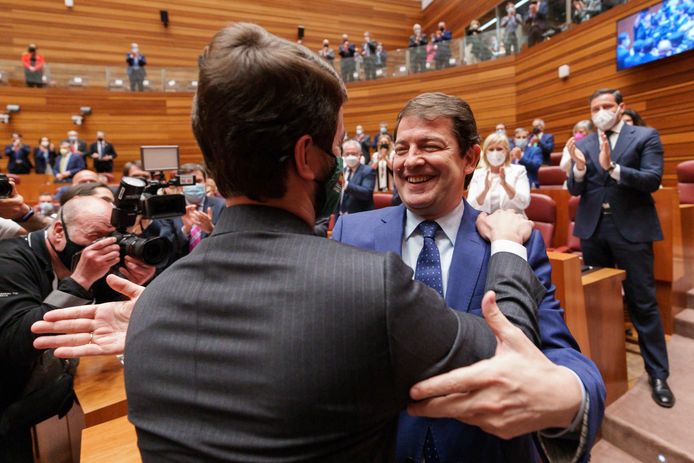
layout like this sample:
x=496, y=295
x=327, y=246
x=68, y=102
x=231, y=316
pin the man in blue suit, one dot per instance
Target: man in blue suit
x=542, y=140
x=615, y=171
x=527, y=155
x=358, y=194
x=437, y=146
x=202, y=213
x=67, y=163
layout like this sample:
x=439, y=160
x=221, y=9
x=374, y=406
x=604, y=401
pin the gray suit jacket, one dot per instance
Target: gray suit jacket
x=270, y=344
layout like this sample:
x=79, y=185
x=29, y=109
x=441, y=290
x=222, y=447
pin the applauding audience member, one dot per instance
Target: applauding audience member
x=102, y=153
x=543, y=140
x=18, y=154
x=67, y=163
x=358, y=192
x=581, y=130
x=44, y=156
x=526, y=155
x=33, y=63
x=499, y=184
x=136, y=68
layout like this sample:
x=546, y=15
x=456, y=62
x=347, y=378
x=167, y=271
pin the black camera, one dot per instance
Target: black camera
x=135, y=197
x=5, y=186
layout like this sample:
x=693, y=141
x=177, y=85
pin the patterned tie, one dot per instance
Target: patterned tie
x=195, y=237
x=428, y=271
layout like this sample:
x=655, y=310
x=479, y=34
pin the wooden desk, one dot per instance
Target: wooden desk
x=684, y=264
x=566, y=276
x=100, y=389
x=602, y=291
x=114, y=441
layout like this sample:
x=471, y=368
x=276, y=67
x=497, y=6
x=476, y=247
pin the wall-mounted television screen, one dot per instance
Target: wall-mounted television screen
x=657, y=32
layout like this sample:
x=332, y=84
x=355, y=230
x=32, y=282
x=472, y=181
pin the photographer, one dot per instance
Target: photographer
x=19, y=216
x=32, y=267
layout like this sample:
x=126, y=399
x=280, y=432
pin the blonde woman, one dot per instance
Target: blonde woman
x=499, y=184
x=382, y=163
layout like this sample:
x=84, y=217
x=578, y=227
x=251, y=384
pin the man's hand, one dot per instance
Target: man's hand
x=60, y=176
x=13, y=207
x=515, y=392
x=516, y=153
x=204, y=220
x=95, y=262
x=137, y=271
x=188, y=218
x=504, y=225
x=107, y=157
x=95, y=155
x=605, y=158
x=577, y=155
x=91, y=329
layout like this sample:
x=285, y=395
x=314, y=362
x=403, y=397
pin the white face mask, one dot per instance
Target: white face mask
x=496, y=157
x=521, y=142
x=605, y=119
x=359, y=131
x=351, y=160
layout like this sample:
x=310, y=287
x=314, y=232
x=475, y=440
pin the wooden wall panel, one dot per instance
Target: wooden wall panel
x=100, y=31
x=662, y=91
x=456, y=13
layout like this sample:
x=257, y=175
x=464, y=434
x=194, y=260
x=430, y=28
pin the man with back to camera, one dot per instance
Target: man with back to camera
x=615, y=171
x=437, y=143
x=358, y=190
x=38, y=275
x=287, y=346
x=102, y=153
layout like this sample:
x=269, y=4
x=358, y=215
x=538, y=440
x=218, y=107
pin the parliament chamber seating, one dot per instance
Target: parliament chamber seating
x=543, y=212
x=555, y=158
x=573, y=242
x=685, y=182
x=382, y=200
x=551, y=177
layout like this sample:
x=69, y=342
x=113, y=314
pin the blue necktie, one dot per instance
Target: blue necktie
x=428, y=271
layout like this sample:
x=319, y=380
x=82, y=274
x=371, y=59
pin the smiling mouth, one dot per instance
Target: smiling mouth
x=419, y=179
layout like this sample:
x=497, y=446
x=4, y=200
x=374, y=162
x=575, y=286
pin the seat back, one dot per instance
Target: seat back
x=685, y=182
x=555, y=159
x=382, y=200
x=573, y=242
x=543, y=211
x=551, y=177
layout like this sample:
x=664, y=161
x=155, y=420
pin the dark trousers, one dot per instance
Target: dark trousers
x=607, y=248
x=137, y=79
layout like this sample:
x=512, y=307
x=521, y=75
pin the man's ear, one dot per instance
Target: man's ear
x=473, y=158
x=303, y=159
x=58, y=232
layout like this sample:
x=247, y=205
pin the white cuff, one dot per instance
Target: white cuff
x=579, y=174
x=578, y=419
x=510, y=246
x=615, y=172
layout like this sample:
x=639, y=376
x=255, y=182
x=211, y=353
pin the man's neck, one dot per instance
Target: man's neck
x=288, y=203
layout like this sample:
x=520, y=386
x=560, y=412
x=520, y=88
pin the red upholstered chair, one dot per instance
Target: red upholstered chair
x=551, y=177
x=573, y=243
x=685, y=182
x=554, y=159
x=383, y=200
x=543, y=211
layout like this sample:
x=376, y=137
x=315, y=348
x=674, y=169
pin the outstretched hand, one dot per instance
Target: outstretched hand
x=517, y=391
x=89, y=330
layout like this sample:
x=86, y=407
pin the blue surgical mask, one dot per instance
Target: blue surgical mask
x=46, y=209
x=195, y=194
x=521, y=142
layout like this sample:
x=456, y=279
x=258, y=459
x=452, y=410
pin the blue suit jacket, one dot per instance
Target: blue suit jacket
x=382, y=230
x=359, y=194
x=532, y=160
x=639, y=153
x=74, y=164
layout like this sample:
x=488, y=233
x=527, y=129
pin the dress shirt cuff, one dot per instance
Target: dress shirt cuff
x=509, y=246
x=579, y=174
x=615, y=172
x=575, y=425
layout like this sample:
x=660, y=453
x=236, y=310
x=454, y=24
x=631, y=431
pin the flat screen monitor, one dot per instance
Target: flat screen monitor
x=159, y=158
x=659, y=31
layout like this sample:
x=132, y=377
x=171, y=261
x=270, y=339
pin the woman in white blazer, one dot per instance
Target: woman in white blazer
x=499, y=184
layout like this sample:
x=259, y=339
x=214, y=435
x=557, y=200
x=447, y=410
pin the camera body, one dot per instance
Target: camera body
x=5, y=187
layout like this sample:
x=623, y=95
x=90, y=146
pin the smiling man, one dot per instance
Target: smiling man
x=437, y=147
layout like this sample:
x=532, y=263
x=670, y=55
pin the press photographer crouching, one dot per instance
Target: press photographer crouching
x=41, y=272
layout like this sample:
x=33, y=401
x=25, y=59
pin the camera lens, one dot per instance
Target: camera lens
x=152, y=251
x=5, y=186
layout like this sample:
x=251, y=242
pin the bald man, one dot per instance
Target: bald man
x=81, y=177
x=40, y=274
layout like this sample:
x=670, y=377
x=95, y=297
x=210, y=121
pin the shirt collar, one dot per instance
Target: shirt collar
x=449, y=223
x=617, y=128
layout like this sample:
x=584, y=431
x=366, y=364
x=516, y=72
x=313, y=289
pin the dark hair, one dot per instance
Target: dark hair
x=192, y=167
x=636, y=117
x=431, y=106
x=82, y=189
x=257, y=95
x=129, y=165
x=608, y=91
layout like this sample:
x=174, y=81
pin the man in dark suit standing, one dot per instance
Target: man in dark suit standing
x=202, y=213
x=347, y=63
x=358, y=192
x=544, y=141
x=18, y=156
x=102, y=153
x=615, y=171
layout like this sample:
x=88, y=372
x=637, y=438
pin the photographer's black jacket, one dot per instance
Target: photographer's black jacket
x=26, y=280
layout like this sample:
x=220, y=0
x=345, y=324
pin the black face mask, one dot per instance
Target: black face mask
x=71, y=249
x=327, y=195
x=383, y=147
x=442, y=29
x=100, y=139
x=32, y=50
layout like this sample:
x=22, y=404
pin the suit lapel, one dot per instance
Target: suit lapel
x=468, y=256
x=388, y=234
x=624, y=141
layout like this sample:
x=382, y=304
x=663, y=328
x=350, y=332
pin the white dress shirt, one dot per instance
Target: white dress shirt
x=413, y=241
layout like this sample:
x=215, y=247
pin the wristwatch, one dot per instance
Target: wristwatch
x=612, y=167
x=26, y=216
